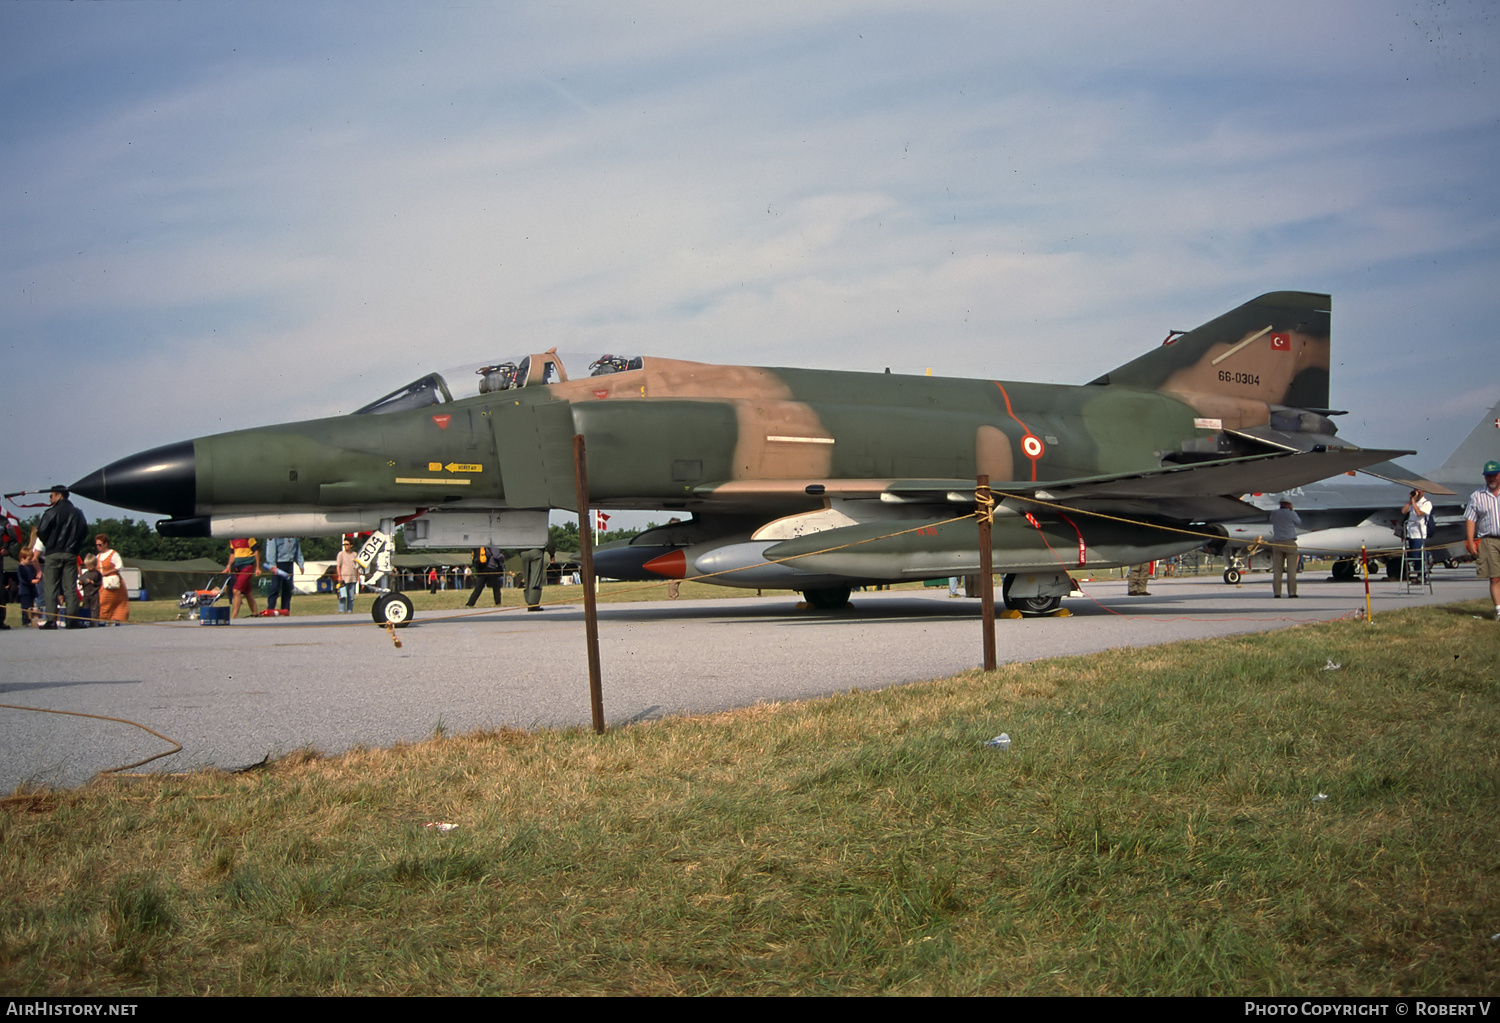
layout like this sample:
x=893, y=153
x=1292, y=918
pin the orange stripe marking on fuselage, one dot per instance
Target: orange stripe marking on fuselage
x=1025, y=448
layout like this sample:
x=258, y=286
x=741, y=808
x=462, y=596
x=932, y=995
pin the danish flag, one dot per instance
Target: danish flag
x=601, y=521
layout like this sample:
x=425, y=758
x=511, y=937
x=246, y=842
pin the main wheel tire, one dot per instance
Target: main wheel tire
x=830, y=598
x=393, y=609
x=1344, y=571
x=1030, y=607
x=1232, y=576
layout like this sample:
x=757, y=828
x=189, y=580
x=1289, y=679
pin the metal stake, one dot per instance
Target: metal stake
x=590, y=605
x=985, y=506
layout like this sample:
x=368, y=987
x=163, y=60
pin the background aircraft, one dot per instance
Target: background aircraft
x=1340, y=515
x=805, y=479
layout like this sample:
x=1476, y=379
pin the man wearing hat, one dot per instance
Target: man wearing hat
x=1284, y=525
x=1482, y=526
x=61, y=534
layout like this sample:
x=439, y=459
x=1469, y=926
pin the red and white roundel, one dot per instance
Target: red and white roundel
x=1031, y=446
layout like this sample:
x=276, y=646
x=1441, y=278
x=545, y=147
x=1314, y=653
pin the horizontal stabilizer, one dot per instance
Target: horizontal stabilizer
x=1394, y=473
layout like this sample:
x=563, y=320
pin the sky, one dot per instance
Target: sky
x=223, y=215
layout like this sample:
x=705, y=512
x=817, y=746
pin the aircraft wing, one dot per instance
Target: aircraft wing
x=1256, y=473
x=1268, y=472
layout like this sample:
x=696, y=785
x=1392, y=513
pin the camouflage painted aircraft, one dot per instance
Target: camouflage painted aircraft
x=811, y=480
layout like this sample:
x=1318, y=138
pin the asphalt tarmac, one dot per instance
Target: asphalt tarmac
x=233, y=694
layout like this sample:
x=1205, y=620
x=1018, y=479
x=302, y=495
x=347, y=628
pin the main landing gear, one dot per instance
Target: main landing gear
x=831, y=598
x=1042, y=595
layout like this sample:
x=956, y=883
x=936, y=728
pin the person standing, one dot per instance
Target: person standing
x=60, y=536
x=1137, y=579
x=29, y=587
x=283, y=553
x=347, y=568
x=1482, y=530
x=114, y=600
x=10, y=547
x=488, y=570
x=534, y=571
x=1416, y=509
x=89, y=581
x=243, y=568
x=1284, y=523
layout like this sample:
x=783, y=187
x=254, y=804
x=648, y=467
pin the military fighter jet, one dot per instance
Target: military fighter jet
x=1342, y=516
x=810, y=480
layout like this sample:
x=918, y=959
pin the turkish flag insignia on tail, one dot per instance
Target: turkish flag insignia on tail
x=1281, y=342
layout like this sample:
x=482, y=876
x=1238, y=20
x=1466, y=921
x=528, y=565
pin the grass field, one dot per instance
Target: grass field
x=1223, y=817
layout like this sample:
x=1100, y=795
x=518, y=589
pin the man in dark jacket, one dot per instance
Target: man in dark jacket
x=62, y=533
x=488, y=567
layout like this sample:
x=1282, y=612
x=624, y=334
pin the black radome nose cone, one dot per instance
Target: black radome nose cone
x=163, y=480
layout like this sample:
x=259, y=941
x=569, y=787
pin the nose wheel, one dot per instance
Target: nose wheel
x=392, y=609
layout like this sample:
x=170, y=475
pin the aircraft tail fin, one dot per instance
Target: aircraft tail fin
x=1480, y=446
x=1272, y=349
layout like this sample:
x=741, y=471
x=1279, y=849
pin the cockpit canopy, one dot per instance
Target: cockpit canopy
x=545, y=368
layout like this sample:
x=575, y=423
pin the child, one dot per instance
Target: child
x=29, y=580
x=89, y=581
